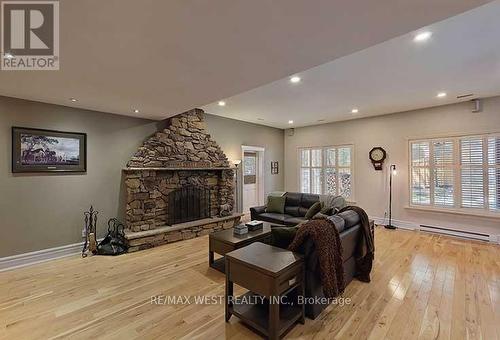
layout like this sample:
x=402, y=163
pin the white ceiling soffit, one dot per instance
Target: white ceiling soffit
x=165, y=57
x=461, y=57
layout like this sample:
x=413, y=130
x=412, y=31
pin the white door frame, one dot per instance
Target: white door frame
x=260, y=173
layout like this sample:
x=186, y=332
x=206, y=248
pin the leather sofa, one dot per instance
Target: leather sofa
x=349, y=227
x=296, y=206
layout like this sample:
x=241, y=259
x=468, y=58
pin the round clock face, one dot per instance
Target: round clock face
x=377, y=155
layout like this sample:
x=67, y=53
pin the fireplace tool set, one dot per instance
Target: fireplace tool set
x=90, y=243
x=113, y=244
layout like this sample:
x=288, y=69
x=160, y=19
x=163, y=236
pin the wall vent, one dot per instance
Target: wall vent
x=454, y=232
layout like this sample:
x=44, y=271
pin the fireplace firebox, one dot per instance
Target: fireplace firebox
x=188, y=203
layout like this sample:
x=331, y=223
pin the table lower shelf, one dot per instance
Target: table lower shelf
x=257, y=315
x=219, y=264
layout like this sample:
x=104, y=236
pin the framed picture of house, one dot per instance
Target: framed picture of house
x=37, y=150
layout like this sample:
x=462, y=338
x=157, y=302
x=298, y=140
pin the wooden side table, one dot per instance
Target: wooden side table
x=269, y=272
x=225, y=241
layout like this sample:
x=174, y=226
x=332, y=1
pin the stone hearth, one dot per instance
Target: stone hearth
x=183, y=154
x=183, y=231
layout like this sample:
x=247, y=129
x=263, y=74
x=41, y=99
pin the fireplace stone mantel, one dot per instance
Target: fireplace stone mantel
x=182, y=155
x=179, y=169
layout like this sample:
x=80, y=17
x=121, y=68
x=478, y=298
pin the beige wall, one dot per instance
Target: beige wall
x=232, y=134
x=39, y=211
x=392, y=133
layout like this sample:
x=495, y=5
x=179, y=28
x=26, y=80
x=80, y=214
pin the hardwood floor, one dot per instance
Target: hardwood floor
x=423, y=286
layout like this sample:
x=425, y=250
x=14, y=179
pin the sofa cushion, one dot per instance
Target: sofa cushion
x=338, y=221
x=320, y=216
x=292, y=210
x=350, y=217
x=326, y=210
x=276, y=204
x=274, y=217
x=294, y=220
x=313, y=210
x=302, y=211
x=333, y=201
x=308, y=200
x=293, y=199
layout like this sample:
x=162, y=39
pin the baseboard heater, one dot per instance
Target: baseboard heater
x=454, y=232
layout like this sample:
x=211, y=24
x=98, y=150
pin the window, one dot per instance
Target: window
x=459, y=173
x=250, y=168
x=326, y=170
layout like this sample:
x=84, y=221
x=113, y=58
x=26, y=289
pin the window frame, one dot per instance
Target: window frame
x=324, y=166
x=457, y=167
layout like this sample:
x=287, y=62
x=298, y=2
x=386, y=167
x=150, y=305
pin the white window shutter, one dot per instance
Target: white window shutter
x=472, y=173
x=494, y=173
x=443, y=173
x=420, y=173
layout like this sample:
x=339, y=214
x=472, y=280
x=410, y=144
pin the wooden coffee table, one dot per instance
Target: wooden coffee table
x=224, y=241
x=269, y=272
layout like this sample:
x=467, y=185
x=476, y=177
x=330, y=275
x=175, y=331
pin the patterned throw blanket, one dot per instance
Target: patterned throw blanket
x=326, y=239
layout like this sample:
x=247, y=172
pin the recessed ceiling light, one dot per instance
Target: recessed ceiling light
x=422, y=36
x=290, y=122
x=295, y=79
x=73, y=100
x=260, y=118
x=354, y=111
x=8, y=55
x=136, y=111
x=441, y=94
x=221, y=103
x=321, y=120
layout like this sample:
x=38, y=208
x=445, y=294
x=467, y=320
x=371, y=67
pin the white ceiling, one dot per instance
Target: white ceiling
x=165, y=57
x=461, y=57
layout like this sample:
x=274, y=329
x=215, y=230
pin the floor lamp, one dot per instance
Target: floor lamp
x=236, y=191
x=392, y=172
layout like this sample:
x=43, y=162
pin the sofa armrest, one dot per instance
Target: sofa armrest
x=256, y=211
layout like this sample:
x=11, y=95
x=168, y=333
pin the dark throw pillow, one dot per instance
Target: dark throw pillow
x=320, y=216
x=326, y=210
x=282, y=236
x=313, y=210
x=276, y=204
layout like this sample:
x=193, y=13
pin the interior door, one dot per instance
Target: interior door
x=250, y=181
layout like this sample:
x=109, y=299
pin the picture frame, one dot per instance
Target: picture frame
x=40, y=150
x=274, y=168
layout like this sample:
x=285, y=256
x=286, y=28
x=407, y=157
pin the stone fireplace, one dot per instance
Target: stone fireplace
x=179, y=185
x=188, y=203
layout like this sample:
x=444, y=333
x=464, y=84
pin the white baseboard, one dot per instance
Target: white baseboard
x=447, y=231
x=27, y=259
x=397, y=223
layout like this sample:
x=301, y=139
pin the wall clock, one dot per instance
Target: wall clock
x=377, y=156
